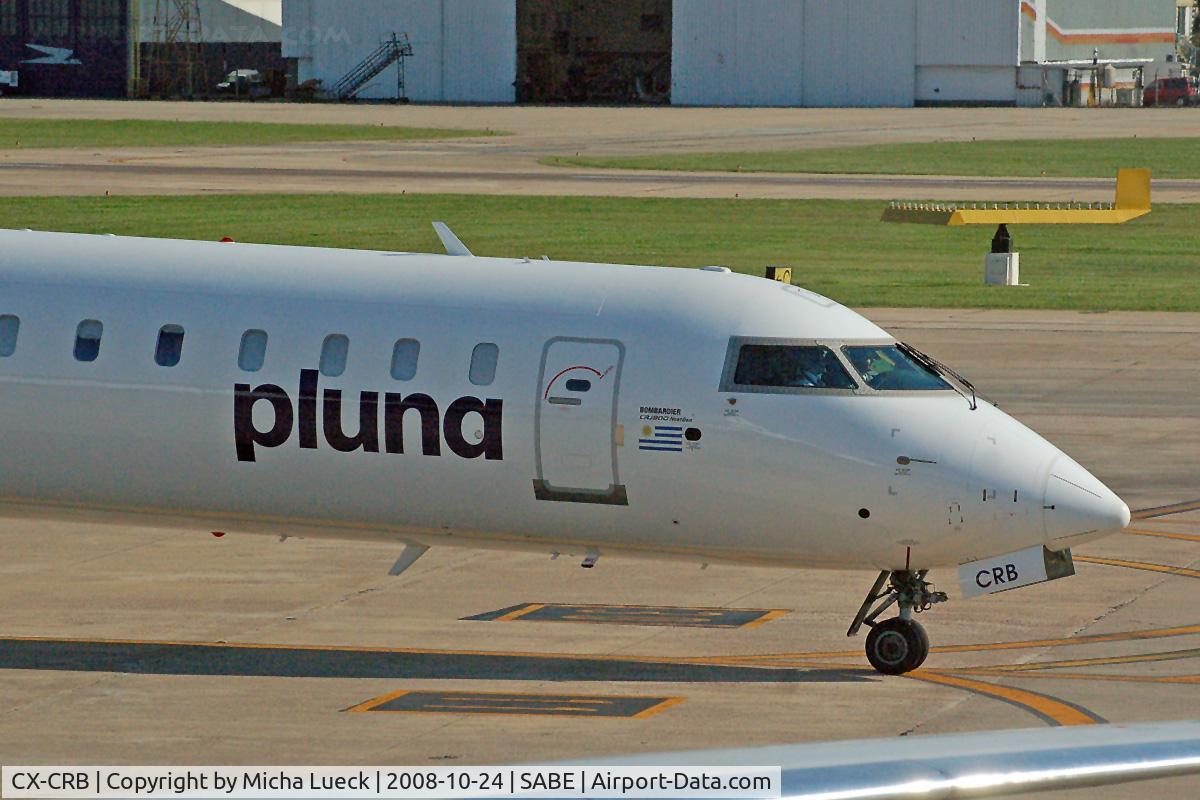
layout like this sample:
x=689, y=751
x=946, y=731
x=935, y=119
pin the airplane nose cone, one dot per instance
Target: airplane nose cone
x=1078, y=507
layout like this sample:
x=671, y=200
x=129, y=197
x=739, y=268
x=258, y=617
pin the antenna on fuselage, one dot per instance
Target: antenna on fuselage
x=453, y=245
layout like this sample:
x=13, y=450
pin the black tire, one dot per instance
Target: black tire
x=897, y=646
x=1181, y=102
x=922, y=644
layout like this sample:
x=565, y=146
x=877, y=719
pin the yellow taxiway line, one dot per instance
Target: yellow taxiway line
x=1163, y=511
x=1050, y=709
x=1142, y=565
x=1096, y=638
x=1183, y=537
x=1102, y=661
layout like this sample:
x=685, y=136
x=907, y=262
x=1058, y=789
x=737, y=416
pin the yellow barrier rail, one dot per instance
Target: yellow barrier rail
x=1132, y=201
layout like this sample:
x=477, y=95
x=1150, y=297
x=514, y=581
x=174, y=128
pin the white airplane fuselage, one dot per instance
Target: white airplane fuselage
x=613, y=423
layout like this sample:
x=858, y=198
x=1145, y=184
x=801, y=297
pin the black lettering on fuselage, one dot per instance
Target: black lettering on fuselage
x=490, y=446
x=394, y=407
x=308, y=408
x=245, y=435
x=487, y=439
x=367, y=437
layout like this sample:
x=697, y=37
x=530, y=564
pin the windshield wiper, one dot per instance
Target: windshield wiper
x=942, y=371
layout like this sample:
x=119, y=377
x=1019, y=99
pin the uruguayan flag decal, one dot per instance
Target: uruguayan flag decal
x=664, y=438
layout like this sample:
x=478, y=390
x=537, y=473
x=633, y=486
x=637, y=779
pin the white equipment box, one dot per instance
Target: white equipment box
x=1002, y=269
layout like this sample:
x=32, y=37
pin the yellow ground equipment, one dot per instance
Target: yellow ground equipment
x=1132, y=201
x=1002, y=265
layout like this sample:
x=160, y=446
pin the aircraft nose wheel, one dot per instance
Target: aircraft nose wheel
x=897, y=646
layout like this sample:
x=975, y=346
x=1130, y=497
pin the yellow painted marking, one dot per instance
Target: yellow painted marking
x=746, y=660
x=509, y=704
x=1185, y=537
x=663, y=706
x=378, y=701
x=1048, y=707
x=618, y=614
x=1163, y=511
x=767, y=617
x=520, y=612
x=1165, y=568
x=1095, y=638
x=1088, y=676
x=1169, y=521
x=1174, y=655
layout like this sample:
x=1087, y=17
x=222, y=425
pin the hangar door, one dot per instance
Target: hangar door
x=571, y=51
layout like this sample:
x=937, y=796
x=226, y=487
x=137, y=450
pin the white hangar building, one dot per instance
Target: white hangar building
x=718, y=52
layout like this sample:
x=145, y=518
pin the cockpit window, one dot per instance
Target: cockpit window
x=791, y=367
x=888, y=368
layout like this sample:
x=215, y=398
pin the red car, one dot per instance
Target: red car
x=1170, y=92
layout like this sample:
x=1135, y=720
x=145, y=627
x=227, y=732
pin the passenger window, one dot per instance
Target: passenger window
x=333, y=355
x=169, y=349
x=87, y=340
x=10, y=326
x=483, y=363
x=888, y=368
x=791, y=367
x=404, y=359
x=578, y=385
x=253, y=350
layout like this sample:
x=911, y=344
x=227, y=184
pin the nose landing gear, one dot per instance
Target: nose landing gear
x=898, y=645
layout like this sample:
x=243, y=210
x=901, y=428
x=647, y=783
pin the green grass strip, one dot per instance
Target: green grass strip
x=42, y=133
x=1063, y=158
x=838, y=248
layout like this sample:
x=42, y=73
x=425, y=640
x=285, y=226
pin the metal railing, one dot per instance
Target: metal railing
x=397, y=48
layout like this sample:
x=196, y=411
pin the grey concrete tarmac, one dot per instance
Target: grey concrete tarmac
x=509, y=164
x=1115, y=390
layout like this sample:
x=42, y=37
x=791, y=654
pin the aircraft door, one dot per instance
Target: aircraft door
x=576, y=422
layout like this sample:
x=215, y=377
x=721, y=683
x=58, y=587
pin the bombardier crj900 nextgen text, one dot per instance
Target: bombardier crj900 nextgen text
x=509, y=403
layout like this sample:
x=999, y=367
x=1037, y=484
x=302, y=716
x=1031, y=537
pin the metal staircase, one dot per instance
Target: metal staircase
x=390, y=51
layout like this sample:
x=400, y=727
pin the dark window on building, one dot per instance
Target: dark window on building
x=169, y=349
x=87, y=340
x=10, y=326
x=8, y=18
x=101, y=19
x=48, y=19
